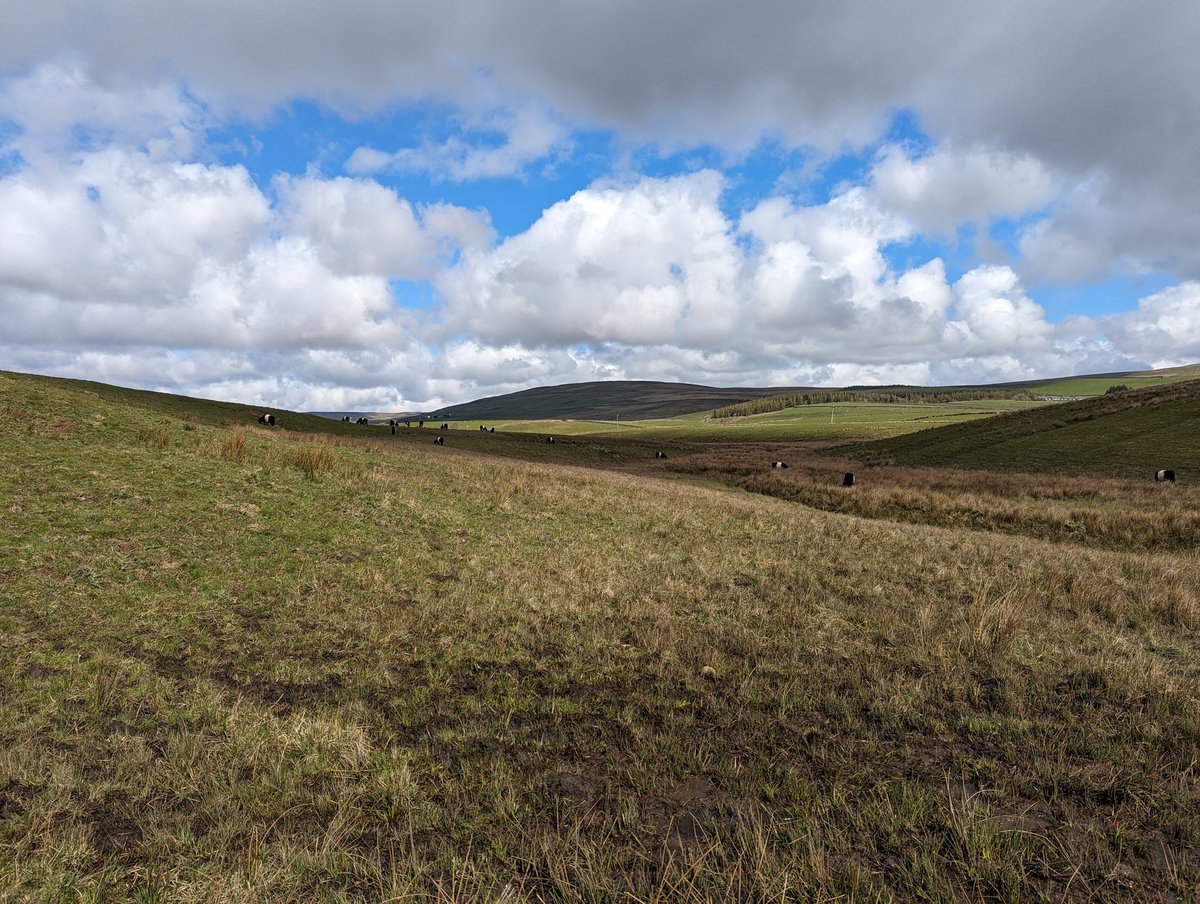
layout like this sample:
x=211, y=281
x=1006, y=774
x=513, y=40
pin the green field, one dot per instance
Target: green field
x=241, y=664
x=851, y=420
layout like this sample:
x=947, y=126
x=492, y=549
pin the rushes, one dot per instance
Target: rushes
x=312, y=461
x=315, y=458
x=157, y=437
x=993, y=620
x=1115, y=514
x=232, y=446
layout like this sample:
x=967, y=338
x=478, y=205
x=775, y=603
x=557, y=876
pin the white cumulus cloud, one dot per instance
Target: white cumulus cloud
x=500, y=144
x=946, y=188
x=130, y=251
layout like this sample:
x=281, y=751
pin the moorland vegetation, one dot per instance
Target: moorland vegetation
x=315, y=663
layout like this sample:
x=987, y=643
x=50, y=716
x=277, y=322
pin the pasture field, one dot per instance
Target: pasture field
x=239, y=664
x=838, y=421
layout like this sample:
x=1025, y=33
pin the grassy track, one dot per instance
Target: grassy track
x=247, y=665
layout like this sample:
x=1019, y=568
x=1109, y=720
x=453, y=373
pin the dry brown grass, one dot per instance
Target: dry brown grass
x=232, y=446
x=312, y=460
x=1118, y=514
x=158, y=437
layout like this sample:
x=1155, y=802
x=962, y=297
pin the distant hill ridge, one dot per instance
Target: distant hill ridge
x=599, y=400
x=606, y=401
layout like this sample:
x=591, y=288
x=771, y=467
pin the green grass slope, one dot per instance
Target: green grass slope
x=1183, y=372
x=1098, y=384
x=1128, y=434
x=194, y=411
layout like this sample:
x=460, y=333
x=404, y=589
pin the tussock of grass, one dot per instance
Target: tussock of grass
x=157, y=437
x=232, y=446
x=312, y=461
x=435, y=676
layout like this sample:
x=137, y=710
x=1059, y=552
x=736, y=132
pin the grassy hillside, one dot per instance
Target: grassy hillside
x=605, y=401
x=1098, y=384
x=1129, y=434
x=239, y=664
x=194, y=411
x=1183, y=372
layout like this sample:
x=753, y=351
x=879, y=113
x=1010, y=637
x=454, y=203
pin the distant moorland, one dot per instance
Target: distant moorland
x=642, y=400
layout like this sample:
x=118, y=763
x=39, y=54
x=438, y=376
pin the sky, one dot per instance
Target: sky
x=385, y=205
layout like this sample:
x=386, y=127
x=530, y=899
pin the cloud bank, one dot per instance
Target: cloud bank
x=134, y=249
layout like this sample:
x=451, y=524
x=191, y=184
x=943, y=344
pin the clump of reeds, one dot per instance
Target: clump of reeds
x=158, y=437
x=313, y=461
x=232, y=447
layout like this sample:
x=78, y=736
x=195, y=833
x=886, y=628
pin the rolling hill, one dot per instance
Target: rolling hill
x=605, y=401
x=1126, y=434
x=624, y=400
x=645, y=399
x=196, y=411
